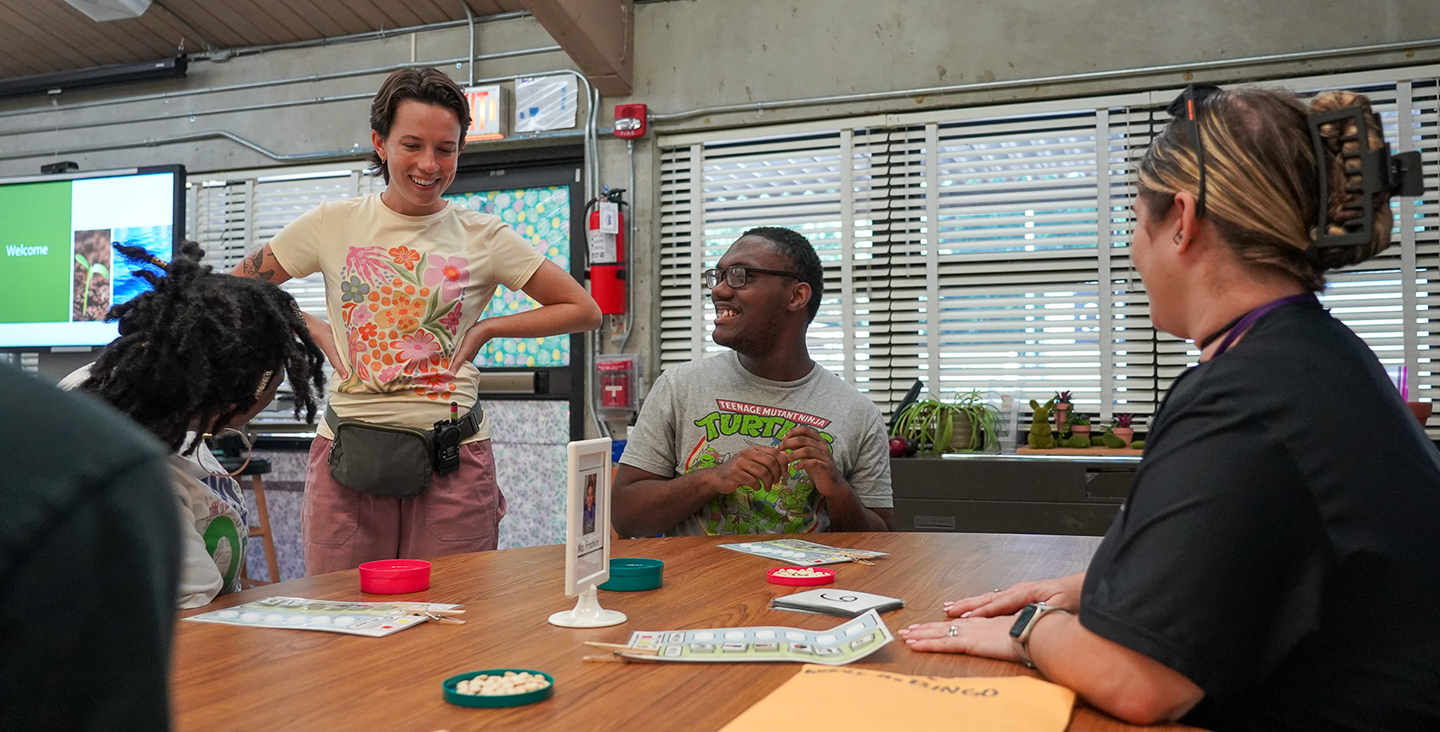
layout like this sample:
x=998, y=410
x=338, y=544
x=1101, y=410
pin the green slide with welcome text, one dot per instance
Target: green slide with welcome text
x=35, y=259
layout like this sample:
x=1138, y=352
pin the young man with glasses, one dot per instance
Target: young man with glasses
x=759, y=439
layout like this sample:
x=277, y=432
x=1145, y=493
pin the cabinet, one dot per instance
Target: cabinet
x=1012, y=494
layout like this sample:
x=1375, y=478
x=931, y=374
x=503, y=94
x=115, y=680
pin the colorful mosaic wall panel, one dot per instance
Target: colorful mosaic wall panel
x=541, y=215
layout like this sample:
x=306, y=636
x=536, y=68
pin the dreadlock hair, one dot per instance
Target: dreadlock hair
x=796, y=248
x=202, y=346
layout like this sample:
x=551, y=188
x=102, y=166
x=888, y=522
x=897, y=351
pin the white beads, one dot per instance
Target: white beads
x=510, y=683
x=806, y=572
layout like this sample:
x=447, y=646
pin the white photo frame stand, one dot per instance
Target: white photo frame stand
x=587, y=536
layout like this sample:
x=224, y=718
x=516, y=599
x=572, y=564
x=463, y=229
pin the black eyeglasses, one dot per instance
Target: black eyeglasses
x=735, y=277
x=1184, y=107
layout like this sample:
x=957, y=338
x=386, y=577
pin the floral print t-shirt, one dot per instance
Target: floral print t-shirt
x=401, y=291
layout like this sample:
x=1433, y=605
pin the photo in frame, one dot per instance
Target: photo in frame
x=587, y=535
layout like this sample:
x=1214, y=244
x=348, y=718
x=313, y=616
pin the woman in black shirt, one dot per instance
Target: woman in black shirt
x=1276, y=562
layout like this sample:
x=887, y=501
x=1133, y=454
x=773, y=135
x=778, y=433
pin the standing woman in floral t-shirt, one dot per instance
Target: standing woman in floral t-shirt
x=407, y=274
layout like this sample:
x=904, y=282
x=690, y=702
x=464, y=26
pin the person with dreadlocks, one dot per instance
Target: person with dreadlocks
x=200, y=353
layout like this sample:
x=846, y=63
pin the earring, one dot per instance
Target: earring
x=1177, y=239
x=249, y=453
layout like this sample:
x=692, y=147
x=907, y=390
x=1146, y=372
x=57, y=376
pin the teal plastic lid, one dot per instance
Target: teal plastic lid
x=634, y=574
x=453, y=696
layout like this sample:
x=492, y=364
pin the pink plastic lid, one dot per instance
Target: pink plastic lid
x=395, y=576
x=826, y=577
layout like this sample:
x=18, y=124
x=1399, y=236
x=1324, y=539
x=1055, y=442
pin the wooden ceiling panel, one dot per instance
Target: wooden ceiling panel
x=164, y=33
x=430, y=12
x=57, y=26
x=339, y=22
x=11, y=58
x=400, y=13
x=199, y=17
x=121, y=46
x=250, y=27
x=384, y=14
x=35, y=42
x=373, y=17
x=482, y=8
x=290, y=21
x=341, y=13
x=147, y=38
x=43, y=36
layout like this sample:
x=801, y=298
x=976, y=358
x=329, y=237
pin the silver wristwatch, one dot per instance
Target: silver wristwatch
x=1024, y=624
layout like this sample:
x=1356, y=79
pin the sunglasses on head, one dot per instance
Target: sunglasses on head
x=1184, y=108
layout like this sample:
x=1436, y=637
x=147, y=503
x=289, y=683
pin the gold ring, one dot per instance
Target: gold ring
x=952, y=631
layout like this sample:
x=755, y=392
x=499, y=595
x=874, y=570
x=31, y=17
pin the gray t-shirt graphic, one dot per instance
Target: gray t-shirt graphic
x=700, y=413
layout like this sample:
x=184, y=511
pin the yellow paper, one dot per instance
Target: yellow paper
x=838, y=699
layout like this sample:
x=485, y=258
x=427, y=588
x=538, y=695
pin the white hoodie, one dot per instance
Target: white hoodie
x=214, y=530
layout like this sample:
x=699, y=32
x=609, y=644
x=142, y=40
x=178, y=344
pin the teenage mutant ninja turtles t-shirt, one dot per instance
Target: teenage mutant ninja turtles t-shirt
x=701, y=413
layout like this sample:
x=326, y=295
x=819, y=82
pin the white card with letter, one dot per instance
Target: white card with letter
x=833, y=601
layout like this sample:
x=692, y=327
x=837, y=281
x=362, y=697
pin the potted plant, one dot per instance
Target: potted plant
x=965, y=423
x=1079, y=425
x=1062, y=410
x=1121, y=428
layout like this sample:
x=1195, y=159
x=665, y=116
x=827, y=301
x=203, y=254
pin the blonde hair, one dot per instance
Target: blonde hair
x=1261, y=181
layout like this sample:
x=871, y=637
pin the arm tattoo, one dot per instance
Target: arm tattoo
x=252, y=264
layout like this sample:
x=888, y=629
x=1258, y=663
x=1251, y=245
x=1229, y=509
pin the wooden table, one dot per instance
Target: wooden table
x=233, y=678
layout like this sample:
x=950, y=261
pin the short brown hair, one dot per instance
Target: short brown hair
x=1262, y=187
x=425, y=84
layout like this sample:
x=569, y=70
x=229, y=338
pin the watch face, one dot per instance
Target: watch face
x=1023, y=619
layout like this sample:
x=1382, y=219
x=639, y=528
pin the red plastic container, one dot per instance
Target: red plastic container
x=395, y=576
x=826, y=577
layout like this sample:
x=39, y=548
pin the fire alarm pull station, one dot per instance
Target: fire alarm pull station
x=618, y=378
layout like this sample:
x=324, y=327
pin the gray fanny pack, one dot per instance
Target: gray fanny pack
x=393, y=460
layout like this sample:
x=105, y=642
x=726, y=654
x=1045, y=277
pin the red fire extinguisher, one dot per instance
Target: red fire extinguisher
x=605, y=234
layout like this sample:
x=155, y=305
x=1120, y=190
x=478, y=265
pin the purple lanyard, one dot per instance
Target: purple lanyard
x=1249, y=318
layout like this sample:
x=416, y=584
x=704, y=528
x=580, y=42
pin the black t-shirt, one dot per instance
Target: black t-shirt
x=89, y=563
x=1280, y=545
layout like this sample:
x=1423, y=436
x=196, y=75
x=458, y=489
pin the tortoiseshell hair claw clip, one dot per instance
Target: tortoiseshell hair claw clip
x=1378, y=170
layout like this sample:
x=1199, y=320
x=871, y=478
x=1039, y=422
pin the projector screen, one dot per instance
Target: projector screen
x=59, y=274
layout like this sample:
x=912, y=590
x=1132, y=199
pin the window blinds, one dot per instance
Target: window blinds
x=233, y=214
x=988, y=248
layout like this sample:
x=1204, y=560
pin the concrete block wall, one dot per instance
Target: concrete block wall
x=694, y=54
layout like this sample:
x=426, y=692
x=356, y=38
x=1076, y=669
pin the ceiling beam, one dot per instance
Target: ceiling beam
x=598, y=35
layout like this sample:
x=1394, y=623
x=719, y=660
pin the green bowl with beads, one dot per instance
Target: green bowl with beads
x=453, y=695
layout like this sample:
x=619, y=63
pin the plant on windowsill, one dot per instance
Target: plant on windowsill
x=964, y=424
x=1062, y=410
x=1121, y=428
x=1077, y=433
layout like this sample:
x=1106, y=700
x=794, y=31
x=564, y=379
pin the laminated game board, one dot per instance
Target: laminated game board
x=850, y=641
x=801, y=553
x=373, y=619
